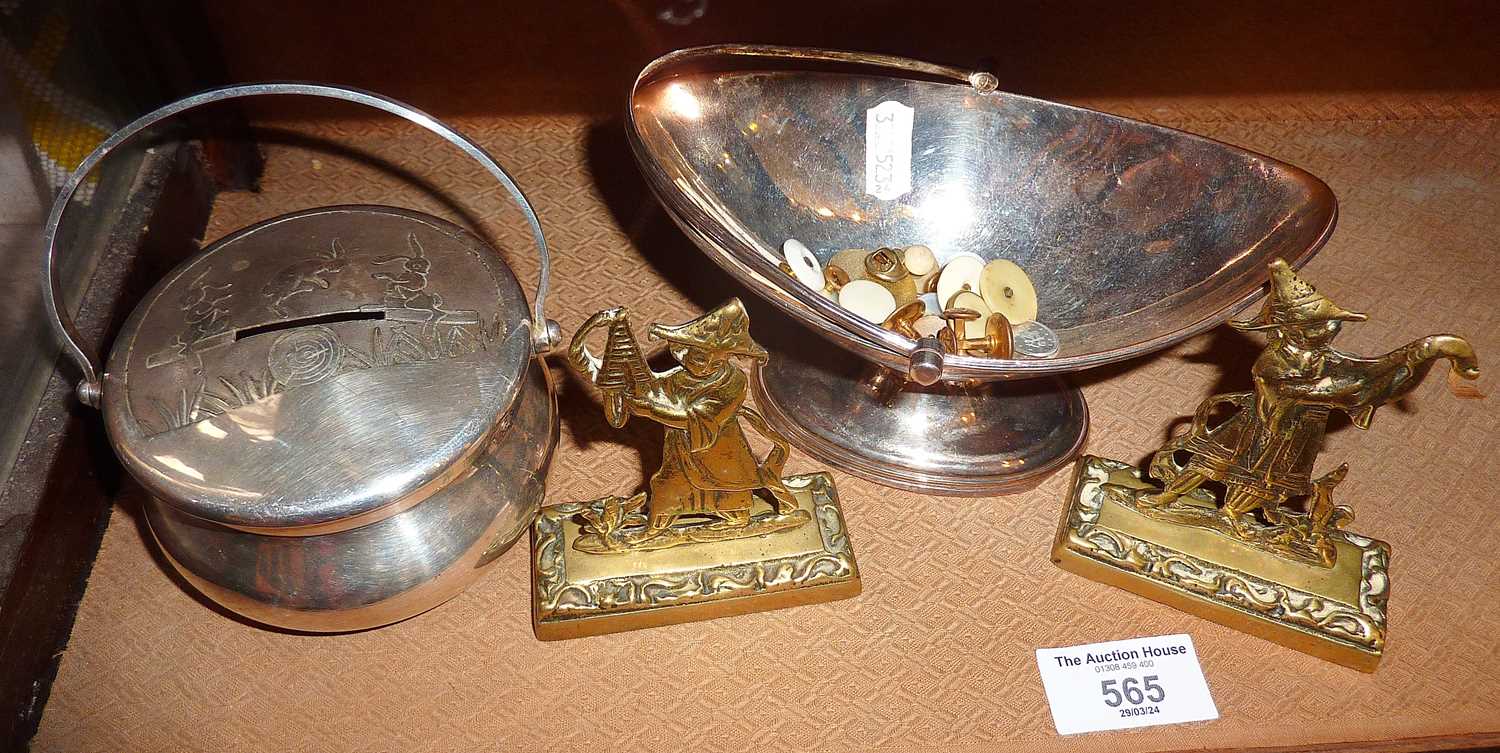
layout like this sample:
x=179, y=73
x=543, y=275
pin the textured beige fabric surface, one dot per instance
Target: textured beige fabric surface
x=937, y=653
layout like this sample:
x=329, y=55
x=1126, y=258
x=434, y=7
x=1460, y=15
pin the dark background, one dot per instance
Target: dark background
x=459, y=58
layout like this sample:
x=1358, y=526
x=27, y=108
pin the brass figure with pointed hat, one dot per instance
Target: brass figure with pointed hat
x=718, y=530
x=1269, y=554
x=708, y=468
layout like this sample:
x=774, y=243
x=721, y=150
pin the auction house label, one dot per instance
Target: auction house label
x=1121, y=684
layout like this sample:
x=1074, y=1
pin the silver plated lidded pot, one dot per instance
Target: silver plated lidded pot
x=341, y=414
x=1135, y=237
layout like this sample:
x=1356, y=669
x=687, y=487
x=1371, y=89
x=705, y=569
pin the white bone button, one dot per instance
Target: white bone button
x=918, y=260
x=805, y=266
x=868, y=300
x=959, y=274
x=1007, y=290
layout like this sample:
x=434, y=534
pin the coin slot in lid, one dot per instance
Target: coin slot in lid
x=307, y=321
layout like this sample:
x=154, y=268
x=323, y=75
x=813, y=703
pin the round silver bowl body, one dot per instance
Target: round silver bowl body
x=1135, y=235
x=341, y=414
x=342, y=445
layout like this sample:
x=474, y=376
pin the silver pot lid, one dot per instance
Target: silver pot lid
x=319, y=370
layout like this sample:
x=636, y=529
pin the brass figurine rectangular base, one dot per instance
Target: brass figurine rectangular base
x=1335, y=613
x=577, y=594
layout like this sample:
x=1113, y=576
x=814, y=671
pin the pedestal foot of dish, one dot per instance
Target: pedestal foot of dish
x=961, y=438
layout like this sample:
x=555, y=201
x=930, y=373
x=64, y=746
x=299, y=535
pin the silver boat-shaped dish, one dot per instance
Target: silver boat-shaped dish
x=1135, y=235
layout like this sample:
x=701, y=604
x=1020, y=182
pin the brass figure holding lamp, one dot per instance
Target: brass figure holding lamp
x=1269, y=555
x=719, y=531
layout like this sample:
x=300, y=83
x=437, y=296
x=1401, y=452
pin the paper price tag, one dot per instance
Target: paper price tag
x=888, y=150
x=1139, y=682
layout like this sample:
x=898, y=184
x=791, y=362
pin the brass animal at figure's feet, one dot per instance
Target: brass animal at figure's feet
x=615, y=525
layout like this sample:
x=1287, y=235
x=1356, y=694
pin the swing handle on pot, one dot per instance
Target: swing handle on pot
x=545, y=333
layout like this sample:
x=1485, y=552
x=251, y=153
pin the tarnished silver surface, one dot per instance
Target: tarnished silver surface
x=544, y=332
x=957, y=437
x=336, y=412
x=311, y=371
x=1136, y=236
x=390, y=569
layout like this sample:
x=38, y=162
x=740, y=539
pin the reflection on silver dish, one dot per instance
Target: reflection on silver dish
x=1136, y=236
x=335, y=476
x=964, y=437
x=387, y=570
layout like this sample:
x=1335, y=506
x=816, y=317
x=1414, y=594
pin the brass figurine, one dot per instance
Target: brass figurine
x=1263, y=453
x=719, y=530
x=1270, y=554
x=707, y=466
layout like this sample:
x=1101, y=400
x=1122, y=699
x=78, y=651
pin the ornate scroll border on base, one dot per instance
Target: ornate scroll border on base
x=1353, y=635
x=556, y=601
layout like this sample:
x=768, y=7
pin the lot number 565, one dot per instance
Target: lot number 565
x=1131, y=690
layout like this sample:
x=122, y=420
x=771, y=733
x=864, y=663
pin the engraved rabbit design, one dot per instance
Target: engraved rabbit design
x=408, y=288
x=407, y=297
x=305, y=276
x=203, y=307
